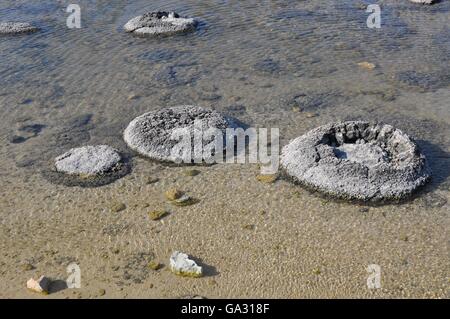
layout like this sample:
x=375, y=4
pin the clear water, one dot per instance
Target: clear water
x=256, y=60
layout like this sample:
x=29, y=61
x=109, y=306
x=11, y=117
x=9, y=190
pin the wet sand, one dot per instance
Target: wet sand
x=67, y=88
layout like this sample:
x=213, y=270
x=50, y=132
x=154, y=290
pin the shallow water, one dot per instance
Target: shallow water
x=257, y=61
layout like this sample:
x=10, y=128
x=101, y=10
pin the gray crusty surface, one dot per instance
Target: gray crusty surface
x=357, y=160
x=17, y=28
x=161, y=22
x=88, y=160
x=150, y=134
x=423, y=1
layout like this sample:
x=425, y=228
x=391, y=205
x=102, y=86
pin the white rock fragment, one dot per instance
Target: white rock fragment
x=41, y=285
x=181, y=265
x=88, y=160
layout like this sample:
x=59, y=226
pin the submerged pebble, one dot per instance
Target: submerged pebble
x=118, y=207
x=367, y=65
x=357, y=160
x=17, y=28
x=158, y=23
x=269, y=179
x=173, y=194
x=181, y=265
x=154, y=265
x=157, y=214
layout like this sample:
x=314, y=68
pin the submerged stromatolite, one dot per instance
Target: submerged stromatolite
x=158, y=23
x=88, y=166
x=357, y=160
x=156, y=134
x=17, y=28
x=423, y=1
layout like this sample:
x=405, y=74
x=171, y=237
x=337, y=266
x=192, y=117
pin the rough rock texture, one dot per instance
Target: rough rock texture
x=88, y=160
x=154, y=23
x=41, y=285
x=16, y=28
x=88, y=166
x=357, y=160
x=180, y=264
x=150, y=134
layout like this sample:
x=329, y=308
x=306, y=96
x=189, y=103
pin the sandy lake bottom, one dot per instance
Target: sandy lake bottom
x=286, y=64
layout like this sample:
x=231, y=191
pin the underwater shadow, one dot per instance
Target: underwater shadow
x=439, y=162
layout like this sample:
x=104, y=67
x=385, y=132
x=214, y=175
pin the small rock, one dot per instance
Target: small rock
x=174, y=194
x=41, y=285
x=212, y=282
x=192, y=297
x=316, y=271
x=181, y=265
x=118, y=207
x=310, y=115
x=249, y=227
x=179, y=198
x=16, y=28
x=154, y=265
x=27, y=267
x=367, y=65
x=157, y=214
x=133, y=97
x=364, y=210
x=185, y=200
x=101, y=292
x=269, y=179
x=152, y=180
